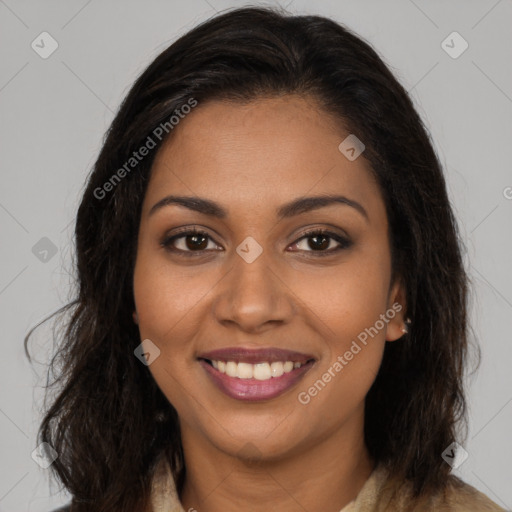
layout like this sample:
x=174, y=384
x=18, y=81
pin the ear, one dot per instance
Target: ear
x=135, y=317
x=396, y=303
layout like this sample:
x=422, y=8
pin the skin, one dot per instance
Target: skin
x=251, y=159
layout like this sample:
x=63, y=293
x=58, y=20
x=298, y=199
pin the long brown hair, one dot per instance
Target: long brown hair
x=109, y=421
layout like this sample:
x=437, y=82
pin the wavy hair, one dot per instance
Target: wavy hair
x=109, y=421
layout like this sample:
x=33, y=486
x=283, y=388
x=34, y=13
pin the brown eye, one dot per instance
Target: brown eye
x=322, y=242
x=196, y=242
x=319, y=242
x=188, y=241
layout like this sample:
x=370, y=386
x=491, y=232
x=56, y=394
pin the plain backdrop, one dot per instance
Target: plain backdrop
x=54, y=112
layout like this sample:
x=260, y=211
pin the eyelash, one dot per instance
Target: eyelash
x=344, y=242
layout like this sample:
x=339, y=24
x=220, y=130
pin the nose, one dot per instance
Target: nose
x=253, y=296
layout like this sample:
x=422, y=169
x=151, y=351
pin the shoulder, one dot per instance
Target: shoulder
x=460, y=496
x=384, y=494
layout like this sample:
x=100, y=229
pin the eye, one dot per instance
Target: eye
x=191, y=241
x=320, y=241
x=188, y=240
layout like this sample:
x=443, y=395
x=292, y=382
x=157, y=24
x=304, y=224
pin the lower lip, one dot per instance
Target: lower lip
x=254, y=389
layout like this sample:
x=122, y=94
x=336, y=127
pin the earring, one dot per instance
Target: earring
x=405, y=328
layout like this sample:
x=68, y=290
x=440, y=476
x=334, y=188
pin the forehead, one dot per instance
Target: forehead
x=264, y=152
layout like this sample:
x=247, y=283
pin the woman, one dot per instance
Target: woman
x=272, y=303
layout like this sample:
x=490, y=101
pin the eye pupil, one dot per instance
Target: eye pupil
x=324, y=244
x=195, y=245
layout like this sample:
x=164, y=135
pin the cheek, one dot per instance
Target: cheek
x=169, y=304
x=164, y=298
x=353, y=352
x=351, y=299
x=349, y=304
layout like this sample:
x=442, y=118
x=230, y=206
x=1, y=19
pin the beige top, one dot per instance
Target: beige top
x=374, y=496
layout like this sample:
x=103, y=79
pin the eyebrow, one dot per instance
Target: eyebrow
x=295, y=207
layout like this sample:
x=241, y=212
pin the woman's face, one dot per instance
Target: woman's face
x=257, y=281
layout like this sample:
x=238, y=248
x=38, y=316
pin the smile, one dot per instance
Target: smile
x=259, y=371
x=255, y=374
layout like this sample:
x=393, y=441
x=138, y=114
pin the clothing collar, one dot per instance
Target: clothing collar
x=164, y=496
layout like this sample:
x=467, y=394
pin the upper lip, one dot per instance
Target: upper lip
x=253, y=356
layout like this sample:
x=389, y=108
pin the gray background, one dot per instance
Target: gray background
x=55, y=111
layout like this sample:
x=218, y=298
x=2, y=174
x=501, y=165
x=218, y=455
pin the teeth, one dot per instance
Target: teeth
x=231, y=369
x=245, y=371
x=276, y=369
x=259, y=371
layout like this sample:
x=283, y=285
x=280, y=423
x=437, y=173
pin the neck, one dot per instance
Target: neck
x=327, y=475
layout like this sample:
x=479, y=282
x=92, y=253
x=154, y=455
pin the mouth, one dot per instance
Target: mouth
x=248, y=374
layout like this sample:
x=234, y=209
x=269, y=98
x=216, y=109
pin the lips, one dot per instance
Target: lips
x=269, y=380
